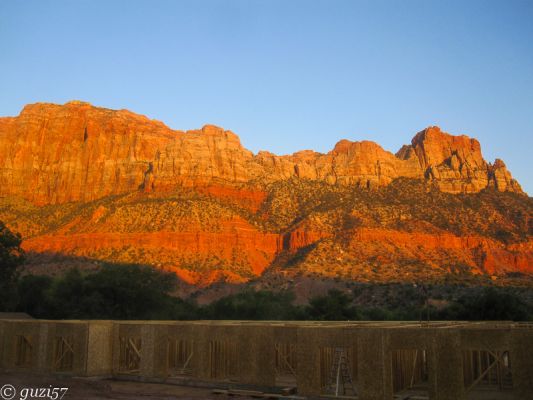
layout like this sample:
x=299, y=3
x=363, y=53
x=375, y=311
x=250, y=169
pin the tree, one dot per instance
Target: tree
x=34, y=295
x=11, y=256
x=128, y=292
x=254, y=305
x=115, y=291
x=335, y=306
x=491, y=304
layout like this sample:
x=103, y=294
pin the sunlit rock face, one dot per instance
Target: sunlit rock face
x=76, y=152
x=455, y=163
x=112, y=185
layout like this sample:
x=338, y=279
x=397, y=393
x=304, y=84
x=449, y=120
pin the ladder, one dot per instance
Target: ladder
x=339, y=375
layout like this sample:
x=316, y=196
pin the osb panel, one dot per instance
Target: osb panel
x=33, y=332
x=493, y=339
x=100, y=348
x=73, y=338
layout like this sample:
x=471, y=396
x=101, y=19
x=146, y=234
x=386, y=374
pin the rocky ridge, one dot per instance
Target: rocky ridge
x=106, y=185
x=52, y=154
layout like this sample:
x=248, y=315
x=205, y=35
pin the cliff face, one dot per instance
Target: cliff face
x=105, y=185
x=76, y=152
x=455, y=163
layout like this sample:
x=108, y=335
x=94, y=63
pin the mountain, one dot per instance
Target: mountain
x=85, y=184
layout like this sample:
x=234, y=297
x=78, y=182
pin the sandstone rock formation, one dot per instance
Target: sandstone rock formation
x=455, y=163
x=102, y=185
x=76, y=152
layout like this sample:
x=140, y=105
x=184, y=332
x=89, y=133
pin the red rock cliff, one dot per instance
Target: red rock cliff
x=76, y=152
x=200, y=204
x=455, y=163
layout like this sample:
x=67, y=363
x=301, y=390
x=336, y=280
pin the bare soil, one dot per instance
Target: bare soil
x=92, y=389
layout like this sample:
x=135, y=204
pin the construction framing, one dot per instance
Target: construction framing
x=363, y=360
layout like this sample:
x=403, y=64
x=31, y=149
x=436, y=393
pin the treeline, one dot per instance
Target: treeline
x=133, y=292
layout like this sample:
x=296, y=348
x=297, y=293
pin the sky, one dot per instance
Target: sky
x=286, y=75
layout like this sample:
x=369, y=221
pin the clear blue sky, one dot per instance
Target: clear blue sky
x=286, y=75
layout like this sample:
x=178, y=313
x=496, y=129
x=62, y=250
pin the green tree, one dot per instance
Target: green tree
x=335, y=306
x=34, y=295
x=118, y=291
x=254, y=305
x=69, y=296
x=115, y=291
x=129, y=291
x=11, y=256
x=490, y=304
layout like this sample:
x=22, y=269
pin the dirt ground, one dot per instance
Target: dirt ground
x=92, y=389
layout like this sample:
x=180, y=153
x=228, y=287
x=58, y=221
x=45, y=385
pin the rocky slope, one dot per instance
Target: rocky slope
x=98, y=184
